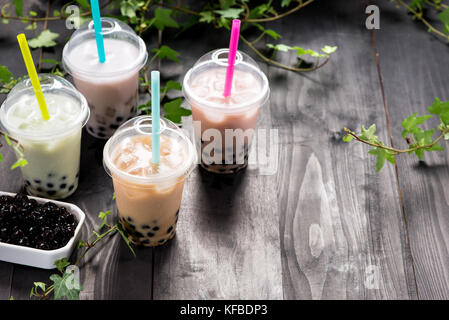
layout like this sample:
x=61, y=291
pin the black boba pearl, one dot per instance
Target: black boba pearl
x=27, y=183
x=51, y=175
x=138, y=234
x=71, y=187
x=130, y=219
x=37, y=181
x=102, y=128
x=51, y=192
x=63, y=178
x=132, y=226
x=145, y=226
x=146, y=241
x=101, y=135
x=50, y=185
x=63, y=186
x=156, y=228
x=170, y=229
x=119, y=119
x=113, y=126
x=150, y=234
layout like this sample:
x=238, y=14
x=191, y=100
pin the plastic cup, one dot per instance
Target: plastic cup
x=52, y=148
x=224, y=126
x=111, y=88
x=148, y=195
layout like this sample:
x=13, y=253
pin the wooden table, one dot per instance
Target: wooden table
x=325, y=225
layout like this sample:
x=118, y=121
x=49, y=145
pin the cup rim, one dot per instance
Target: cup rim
x=182, y=171
x=258, y=101
x=139, y=62
x=75, y=94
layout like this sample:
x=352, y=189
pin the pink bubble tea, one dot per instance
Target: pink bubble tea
x=111, y=88
x=225, y=126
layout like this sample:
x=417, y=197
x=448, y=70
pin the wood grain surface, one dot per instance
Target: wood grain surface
x=325, y=225
x=414, y=66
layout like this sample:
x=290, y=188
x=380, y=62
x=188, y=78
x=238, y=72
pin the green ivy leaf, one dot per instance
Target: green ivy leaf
x=167, y=52
x=369, y=134
x=348, y=138
x=172, y=85
x=19, y=163
x=61, y=290
x=84, y=3
x=1, y=157
x=272, y=34
x=45, y=39
x=329, y=50
x=444, y=18
x=441, y=109
x=382, y=155
x=125, y=237
x=61, y=264
x=162, y=18
x=231, y=13
x=174, y=111
x=285, y=3
x=206, y=16
x=5, y=74
x=18, y=4
x=40, y=285
x=279, y=47
x=128, y=8
x=410, y=124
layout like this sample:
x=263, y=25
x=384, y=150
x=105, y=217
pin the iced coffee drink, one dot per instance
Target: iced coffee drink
x=148, y=195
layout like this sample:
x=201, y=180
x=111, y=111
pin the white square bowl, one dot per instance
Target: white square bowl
x=42, y=258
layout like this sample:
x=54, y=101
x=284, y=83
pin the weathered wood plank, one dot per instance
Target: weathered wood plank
x=414, y=66
x=112, y=271
x=227, y=243
x=342, y=233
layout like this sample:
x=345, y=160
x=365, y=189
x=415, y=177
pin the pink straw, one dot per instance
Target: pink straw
x=233, y=45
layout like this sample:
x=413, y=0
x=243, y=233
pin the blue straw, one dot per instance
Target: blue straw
x=156, y=114
x=97, y=27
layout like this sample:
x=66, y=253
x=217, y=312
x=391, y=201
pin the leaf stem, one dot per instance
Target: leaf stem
x=300, y=5
x=396, y=151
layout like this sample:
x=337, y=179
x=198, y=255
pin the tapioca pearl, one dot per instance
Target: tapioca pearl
x=170, y=229
x=138, y=234
x=63, y=178
x=37, y=181
x=146, y=241
x=27, y=183
x=63, y=186
x=50, y=185
x=119, y=119
x=145, y=226
x=156, y=228
x=130, y=219
x=101, y=135
x=114, y=126
x=150, y=234
x=101, y=128
x=71, y=187
x=51, y=192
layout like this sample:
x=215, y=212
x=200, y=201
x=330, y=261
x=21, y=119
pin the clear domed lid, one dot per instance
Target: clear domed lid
x=139, y=127
x=218, y=59
x=50, y=84
x=111, y=29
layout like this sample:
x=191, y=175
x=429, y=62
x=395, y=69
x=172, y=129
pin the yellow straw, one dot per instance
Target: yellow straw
x=33, y=75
